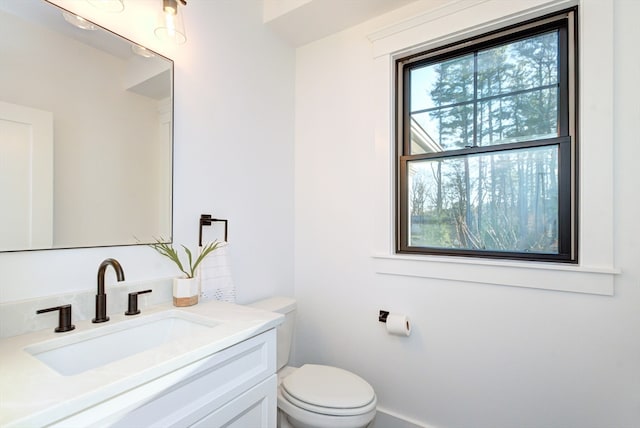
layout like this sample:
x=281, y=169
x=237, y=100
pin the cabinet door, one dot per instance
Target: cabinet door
x=187, y=395
x=256, y=408
x=212, y=382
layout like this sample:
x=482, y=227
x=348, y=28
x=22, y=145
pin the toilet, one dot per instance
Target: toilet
x=316, y=396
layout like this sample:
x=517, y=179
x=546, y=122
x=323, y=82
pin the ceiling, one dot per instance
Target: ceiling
x=49, y=16
x=305, y=21
x=297, y=21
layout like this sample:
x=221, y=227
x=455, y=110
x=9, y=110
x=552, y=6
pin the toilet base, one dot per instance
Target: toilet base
x=283, y=422
x=290, y=416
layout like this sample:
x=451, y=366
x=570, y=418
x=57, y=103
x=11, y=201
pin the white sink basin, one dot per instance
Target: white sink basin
x=88, y=350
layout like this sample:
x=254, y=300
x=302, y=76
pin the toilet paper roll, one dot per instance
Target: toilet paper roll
x=398, y=324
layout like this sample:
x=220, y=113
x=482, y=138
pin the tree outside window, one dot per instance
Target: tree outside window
x=486, y=147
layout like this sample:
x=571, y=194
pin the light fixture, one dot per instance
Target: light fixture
x=78, y=21
x=142, y=51
x=170, y=26
x=108, y=5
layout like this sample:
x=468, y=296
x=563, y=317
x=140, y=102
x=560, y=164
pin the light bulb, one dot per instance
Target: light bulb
x=170, y=6
x=78, y=21
x=170, y=26
x=142, y=51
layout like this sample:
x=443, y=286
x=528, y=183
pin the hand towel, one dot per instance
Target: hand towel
x=215, y=276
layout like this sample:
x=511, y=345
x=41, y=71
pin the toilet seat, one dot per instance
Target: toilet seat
x=329, y=391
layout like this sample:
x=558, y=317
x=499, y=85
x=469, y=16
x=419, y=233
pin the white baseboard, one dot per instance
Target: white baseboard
x=388, y=419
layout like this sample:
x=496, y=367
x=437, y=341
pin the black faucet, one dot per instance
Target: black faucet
x=64, y=317
x=132, y=309
x=101, y=297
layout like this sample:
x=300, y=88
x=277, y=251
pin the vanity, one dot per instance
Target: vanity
x=212, y=364
x=208, y=365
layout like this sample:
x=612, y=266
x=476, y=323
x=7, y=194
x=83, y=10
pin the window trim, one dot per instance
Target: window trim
x=565, y=21
x=400, y=36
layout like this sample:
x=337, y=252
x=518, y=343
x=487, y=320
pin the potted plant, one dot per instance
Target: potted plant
x=185, y=289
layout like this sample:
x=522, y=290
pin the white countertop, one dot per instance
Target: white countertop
x=32, y=394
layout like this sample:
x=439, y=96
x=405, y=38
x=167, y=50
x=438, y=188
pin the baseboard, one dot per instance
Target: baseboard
x=388, y=419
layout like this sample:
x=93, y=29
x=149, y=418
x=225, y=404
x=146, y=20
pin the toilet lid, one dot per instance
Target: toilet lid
x=328, y=387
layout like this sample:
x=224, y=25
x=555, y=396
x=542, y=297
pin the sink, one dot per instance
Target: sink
x=89, y=350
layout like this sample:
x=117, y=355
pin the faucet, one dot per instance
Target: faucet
x=101, y=297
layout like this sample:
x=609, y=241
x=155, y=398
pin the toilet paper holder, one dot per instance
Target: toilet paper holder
x=396, y=324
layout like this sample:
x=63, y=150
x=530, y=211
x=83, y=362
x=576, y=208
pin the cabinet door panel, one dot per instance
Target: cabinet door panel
x=255, y=408
x=215, y=381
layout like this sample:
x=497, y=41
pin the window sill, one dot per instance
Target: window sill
x=545, y=276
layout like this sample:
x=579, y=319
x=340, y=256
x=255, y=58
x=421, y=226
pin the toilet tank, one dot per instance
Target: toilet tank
x=284, y=332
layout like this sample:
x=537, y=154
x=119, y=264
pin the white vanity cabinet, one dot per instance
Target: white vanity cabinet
x=235, y=387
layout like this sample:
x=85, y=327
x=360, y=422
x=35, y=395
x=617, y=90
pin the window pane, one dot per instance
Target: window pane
x=442, y=84
x=525, y=64
x=522, y=117
x=499, y=201
x=516, y=97
x=442, y=129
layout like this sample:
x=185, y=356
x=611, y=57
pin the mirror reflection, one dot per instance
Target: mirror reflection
x=85, y=134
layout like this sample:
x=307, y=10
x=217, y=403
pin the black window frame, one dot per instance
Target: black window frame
x=566, y=22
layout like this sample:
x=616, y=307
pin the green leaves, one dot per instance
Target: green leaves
x=168, y=251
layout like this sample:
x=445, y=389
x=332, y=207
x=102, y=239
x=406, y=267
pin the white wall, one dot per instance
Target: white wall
x=233, y=154
x=479, y=355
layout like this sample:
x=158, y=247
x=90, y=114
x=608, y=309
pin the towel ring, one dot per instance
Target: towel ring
x=206, y=220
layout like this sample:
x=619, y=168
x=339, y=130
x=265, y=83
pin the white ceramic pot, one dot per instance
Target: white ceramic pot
x=185, y=291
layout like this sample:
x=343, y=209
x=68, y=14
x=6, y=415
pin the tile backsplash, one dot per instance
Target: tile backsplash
x=20, y=316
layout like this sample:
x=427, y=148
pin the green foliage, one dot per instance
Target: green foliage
x=500, y=201
x=189, y=270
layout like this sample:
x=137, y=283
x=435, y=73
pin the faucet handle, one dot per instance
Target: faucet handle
x=64, y=317
x=133, y=302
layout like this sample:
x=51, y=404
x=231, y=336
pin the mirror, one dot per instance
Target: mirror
x=85, y=134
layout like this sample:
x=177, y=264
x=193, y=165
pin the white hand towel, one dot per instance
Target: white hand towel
x=215, y=276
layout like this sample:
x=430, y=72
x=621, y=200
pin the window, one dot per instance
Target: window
x=487, y=145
